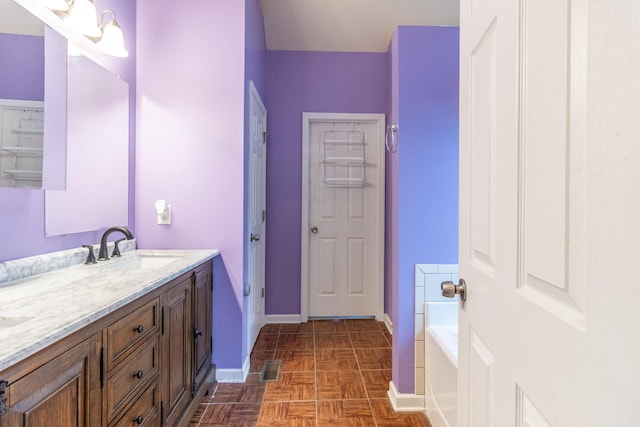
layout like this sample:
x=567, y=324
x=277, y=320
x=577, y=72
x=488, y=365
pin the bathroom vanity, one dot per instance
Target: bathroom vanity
x=122, y=342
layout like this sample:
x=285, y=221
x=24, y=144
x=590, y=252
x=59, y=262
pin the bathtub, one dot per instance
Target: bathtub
x=441, y=362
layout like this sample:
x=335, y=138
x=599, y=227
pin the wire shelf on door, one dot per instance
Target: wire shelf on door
x=343, y=151
x=23, y=151
x=31, y=131
x=343, y=161
x=344, y=182
x=25, y=175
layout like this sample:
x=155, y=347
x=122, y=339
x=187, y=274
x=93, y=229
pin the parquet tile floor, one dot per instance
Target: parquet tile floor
x=334, y=373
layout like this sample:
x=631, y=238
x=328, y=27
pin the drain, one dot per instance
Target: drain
x=270, y=371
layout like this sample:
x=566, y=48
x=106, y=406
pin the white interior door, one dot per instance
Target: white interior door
x=537, y=345
x=343, y=216
x=256, y=215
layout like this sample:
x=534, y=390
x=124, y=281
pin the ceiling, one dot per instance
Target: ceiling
x=348, y=25
x=14, y=19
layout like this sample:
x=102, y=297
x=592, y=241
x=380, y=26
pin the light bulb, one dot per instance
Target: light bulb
x=83, y=18
x=112, y=41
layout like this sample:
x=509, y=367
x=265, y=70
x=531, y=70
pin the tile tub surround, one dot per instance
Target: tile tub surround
x=427, y=289
x=25, y=267
x=61, y=302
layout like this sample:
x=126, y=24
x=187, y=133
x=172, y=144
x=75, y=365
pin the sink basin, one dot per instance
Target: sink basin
x=7, y=322
x=145, y=260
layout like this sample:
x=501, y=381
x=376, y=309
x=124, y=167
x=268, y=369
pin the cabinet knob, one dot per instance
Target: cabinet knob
x=138, y=420
x=138, y=374
x=139, y=329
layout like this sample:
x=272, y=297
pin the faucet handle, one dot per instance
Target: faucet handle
x=116, y=249
x=91, y=258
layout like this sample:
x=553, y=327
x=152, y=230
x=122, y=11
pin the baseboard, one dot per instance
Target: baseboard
x=282, y=318
x=234, y=375
x=405, y=402
x=388, y=323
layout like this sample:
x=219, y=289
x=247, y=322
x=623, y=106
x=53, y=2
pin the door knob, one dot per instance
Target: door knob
x=314, y=229
x=450, y=289
x=254, y=237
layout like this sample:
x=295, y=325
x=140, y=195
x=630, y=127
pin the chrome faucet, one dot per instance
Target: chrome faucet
x=103, y=254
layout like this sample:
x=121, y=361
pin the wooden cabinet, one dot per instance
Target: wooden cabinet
x=202, y=328
x=64, y=392
x=176, y=350
x=147, y=363
x=186, y=344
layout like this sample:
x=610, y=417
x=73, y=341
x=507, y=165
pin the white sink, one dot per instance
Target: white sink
x=144, y=260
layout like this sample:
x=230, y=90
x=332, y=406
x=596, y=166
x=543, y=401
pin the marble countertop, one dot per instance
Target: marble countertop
x=39, y=310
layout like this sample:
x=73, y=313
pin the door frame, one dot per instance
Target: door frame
x=307, y=120
x=253, y=292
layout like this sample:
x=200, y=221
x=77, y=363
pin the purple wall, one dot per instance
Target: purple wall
x=22, y=211
x=427, y=174
x=190, y=146
x=21, y=67
x=298, y=82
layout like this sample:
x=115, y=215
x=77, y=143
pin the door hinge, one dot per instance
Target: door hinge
x=101, y=367
x=264, y=215
x=161, y=413
x=193, y=389
x=3, y=399
x=194, y=277
x=264, y=137
x=262, y=292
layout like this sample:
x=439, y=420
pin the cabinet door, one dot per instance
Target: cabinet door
x=64, y=392
x=202, y=326
x=177, y=350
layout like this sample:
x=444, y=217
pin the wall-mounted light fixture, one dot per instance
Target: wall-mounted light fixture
x=112, y=41
x=83, y=18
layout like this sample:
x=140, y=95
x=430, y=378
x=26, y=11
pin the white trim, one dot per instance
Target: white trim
x=234, y=375
x=283, y=318
x=388, y=323
x=405, y=402
x=307, y=119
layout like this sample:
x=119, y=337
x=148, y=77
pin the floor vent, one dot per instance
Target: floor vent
x=270, y=371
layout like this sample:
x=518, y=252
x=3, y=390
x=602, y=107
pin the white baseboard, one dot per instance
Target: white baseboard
x=282, y=318
x=405, y=402
x=234, y=375
x=388, y=323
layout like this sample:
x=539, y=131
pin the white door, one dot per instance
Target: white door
x=548, y=191
x=343, y=215
x=256, y=214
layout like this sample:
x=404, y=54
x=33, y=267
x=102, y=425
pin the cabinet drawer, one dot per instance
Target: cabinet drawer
x=133, y=374
x=131, y=329
x=144, y=411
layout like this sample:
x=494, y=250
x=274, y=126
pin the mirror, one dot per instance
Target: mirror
x=97, y=192
x=86, y=127
x=27, y=129
x=21, y=97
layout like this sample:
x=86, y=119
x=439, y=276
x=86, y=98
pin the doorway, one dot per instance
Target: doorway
x=256, y=213
x=342, y=215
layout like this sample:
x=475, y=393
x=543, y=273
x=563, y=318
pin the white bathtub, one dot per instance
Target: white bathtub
x=441, y=362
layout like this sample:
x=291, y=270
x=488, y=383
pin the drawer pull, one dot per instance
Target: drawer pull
x=138, y=420
x=138, y=374
x=138, y=329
